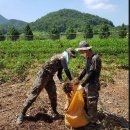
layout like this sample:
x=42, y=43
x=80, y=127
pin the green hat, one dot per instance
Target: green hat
x=83, y=45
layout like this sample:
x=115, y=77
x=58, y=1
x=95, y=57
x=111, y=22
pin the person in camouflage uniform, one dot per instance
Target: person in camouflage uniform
x=45, y=80
x=91, y=84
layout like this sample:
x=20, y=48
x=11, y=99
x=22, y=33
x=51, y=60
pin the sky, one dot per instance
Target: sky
x=30, y=10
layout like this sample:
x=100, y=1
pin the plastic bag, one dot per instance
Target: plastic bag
x=75, y=116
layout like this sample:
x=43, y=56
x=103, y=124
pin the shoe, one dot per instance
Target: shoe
x=56, y=115
x=20, y=119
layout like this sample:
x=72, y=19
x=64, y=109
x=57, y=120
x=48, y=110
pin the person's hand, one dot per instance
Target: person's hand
x=85, y=89
x=67, y=88
x=85, y=92
x=80, y=87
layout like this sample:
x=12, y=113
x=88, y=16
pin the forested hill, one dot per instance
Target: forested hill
x=3, y=19
x=7, y=23
x=65, y=18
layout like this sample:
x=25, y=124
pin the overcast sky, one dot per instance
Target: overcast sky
x=31, y=10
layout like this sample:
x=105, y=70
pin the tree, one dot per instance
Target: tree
x=65, y=18
x=104, y=31
x=70, y=33
x=28, y=33
x=2, y=37
x=54, y=33
x=88, y=32
x=122, y=31
x=13, y=34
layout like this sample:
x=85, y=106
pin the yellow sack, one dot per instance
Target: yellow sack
x=76, y=116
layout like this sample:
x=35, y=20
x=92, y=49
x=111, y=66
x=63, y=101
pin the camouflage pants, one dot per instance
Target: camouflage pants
x=91, y=100
x=43, y=80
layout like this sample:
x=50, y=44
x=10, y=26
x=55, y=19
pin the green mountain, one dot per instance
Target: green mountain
x=68, y=17
x=6, y=23
x=16, y=23
x=3, y=19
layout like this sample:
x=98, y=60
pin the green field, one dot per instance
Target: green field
x=22, y=58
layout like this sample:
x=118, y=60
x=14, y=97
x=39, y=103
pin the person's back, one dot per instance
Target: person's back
x=53, y=64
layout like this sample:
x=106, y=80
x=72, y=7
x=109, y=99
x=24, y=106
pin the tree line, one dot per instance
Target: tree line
x=13, y=34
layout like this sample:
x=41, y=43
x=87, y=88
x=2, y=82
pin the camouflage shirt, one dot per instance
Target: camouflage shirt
x=92, y=69
x=56, y=64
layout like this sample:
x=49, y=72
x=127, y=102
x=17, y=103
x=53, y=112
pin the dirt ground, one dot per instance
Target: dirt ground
x=113, y=99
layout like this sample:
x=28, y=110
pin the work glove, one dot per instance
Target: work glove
x=67, y=88
x=84, y=90
x=80, y=87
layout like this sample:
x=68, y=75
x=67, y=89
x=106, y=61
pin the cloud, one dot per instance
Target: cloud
x=99, y=4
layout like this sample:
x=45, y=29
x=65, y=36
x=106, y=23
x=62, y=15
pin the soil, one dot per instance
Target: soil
x=112, y=106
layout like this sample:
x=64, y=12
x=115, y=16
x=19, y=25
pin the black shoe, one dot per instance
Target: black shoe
x=56, y=115
x=20, y=119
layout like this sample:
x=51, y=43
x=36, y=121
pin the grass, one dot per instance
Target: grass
x=17, y=58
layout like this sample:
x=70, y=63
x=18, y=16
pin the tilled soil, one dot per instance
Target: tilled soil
x=113, y=100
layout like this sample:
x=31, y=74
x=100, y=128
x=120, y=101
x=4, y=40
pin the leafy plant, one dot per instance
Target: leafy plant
x=88, y=32
x=122, y=31
x=21, y=57
x=70, y=33
x=2, y=37
x=54, y=33
x=13, y=34
x=105, y=33
x=28, y=33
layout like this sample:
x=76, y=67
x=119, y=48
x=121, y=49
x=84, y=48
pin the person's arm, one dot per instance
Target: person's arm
x=59, y=74
x=82, y=74
x=65, y=67
x=89, y=77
